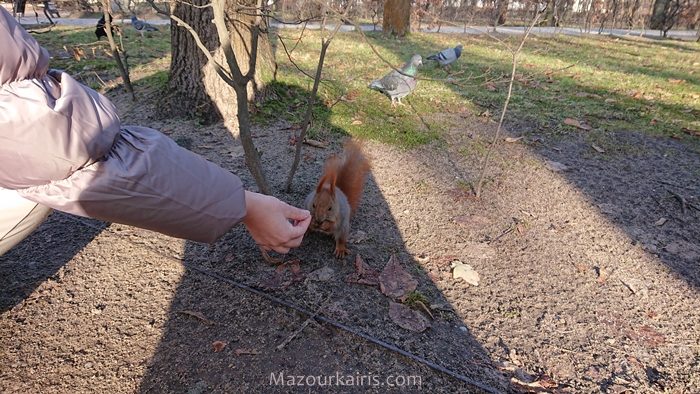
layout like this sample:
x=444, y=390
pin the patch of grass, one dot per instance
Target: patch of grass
x=611, y=84
x=415, y=297
x=77, y=51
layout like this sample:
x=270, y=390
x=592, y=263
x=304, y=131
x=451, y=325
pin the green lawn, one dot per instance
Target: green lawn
x=609, y=84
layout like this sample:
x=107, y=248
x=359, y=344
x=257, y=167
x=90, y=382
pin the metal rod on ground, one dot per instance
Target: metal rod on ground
x=304, y=311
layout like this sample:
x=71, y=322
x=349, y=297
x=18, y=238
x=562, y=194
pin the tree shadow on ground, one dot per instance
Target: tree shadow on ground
x=40, y=256
x=639, y=179
x=248, y=323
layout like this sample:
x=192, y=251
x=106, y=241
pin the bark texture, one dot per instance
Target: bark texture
x=397, y=17
x=194, y=85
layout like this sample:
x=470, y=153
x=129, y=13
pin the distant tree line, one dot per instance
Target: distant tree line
x=589, y=15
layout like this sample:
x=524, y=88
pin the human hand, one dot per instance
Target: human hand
x=273, y=224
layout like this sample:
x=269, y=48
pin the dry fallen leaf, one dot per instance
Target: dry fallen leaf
x=198, y=315
x=240, y=352
x=648, y=336
x=357, y=237
x=283, y=276
x=602, y=276
x=314, y=143
x=660, y=222
x=576, y=123
x=597, y=148
x=555, y=166
x=676, y=81
x=514, y=139
x=364, y=274
x=352, y=95
x=407, y=318
x=356, y=122
x=218, y=346
x=321, y=275
x=395, y=282
x=466, y=272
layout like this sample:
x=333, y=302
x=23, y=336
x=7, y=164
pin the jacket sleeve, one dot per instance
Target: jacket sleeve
x=147, y=180
x=62, y=145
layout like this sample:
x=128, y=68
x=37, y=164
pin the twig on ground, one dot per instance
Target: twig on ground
x=674, y=185
x=680, y=199
x=306, y=323
x=281, y=302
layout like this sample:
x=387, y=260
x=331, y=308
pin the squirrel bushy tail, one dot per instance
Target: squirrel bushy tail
x=348, y=172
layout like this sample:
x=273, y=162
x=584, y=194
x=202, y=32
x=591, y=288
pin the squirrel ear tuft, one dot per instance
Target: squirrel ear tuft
x=327, y=182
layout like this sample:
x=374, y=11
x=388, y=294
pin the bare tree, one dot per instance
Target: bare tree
x=222, y=82
x=116, y=53
x=325, y=43
x=515, y=52
x=665, y=14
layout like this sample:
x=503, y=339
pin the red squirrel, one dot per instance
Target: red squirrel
x=337, y=195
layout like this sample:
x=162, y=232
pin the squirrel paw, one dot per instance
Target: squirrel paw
x=341, y=251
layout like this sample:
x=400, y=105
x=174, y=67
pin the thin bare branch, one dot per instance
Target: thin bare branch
x=217, y=67
x=491, y=147
x=289, y=56
x=325, y=43
x=159, y=10
x=115, y=51
x=219, y=7
x=208, y=5
x=301, y=35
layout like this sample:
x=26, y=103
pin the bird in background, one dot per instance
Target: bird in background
x=141, y=26
x=397, y=85
x=100, y=27
x=447, y=56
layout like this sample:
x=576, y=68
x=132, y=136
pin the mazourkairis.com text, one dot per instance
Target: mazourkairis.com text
x=338, y=379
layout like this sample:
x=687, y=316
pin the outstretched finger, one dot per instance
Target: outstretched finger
x=298, y=229
x=296, y=214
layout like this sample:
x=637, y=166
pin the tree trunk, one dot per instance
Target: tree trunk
x=659, y=14
x=500, y=11
x=195, y=87
x=397, y=17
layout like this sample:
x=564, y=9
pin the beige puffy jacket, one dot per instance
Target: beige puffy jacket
x=62, y=145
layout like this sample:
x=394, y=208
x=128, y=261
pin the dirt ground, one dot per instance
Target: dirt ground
x=583, y=288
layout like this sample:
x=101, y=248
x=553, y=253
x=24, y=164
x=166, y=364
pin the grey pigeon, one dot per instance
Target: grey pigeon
x=447, y=56
x=397, y=85
x=141, y=26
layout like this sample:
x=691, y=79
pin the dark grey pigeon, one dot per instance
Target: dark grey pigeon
x=397, y=85
x=447, y=56
x=141, y=26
